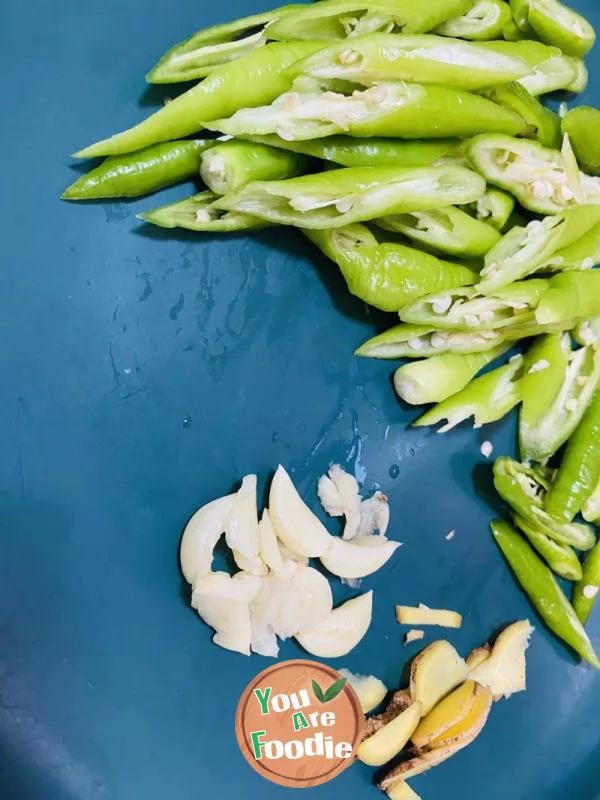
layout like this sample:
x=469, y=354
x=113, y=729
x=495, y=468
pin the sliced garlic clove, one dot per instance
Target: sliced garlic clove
x=263, y=641
x=297, y=527
x=358, y=558
x=301, y=600
x=201, y=535
x=341, y=631
x=241, y=529
x=270, y=550
x=374, y=515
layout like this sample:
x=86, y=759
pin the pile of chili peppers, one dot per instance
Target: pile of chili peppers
x=407, y=140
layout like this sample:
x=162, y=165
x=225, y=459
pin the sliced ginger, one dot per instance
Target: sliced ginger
x=470, y=726
x=389, y=740
x=504, y=671
x=422, y=615
x=448, y=713
x=434, y=673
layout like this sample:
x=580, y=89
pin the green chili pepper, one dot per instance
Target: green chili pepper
x=558, y=25
x=582, y=77
x=520, y=13
x=231, y=165
x=198, y=213
x=581, y=255
x=582, y=125
x=585, y=592
x=342, y=196
x=140, y=173
x=381, y=57
x=349, y=152
x=542, y=179
x=591, y=508
x=208, y=49
x=561, y=558
x=386, y=275
x=523, y=251
x=524, y=489
x=465, y=309
x=571, y=295
x=485, y=21
x=588, y=332
x=558, y=386
x=544, y=124
x=487, y=399
x=579, y=471
x=418, y=341
x=494, y=207
x=391, y=110
x=511, y=32
x=445, y=230
x=552, y=70
x=335, y=19
x=543, y=590
x=255, y=79
x=437, y=378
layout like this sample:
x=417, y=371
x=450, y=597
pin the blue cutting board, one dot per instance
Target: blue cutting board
x=143, y=374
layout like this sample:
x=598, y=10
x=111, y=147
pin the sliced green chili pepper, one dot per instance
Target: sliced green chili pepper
x=231, y=165
x=393, y=110
x=255, y=79
x=140, y=173
x=485, y=21
x=571, y=295
x=512, y=33
x=558, y=25
x=585, y=593
x=419, y=341
x=579, y=471
x=543, y=590
x=332, y=19
x=582, y=125
x=539, y=177
x=349, y=152
x=524, y=489
x=381, y=57
x=487, y=399
x=561, y=558
x=465, y=309
x=582, y=77
x=386, y=275
x=543, y=123
x=523, y=251
x=588, y=332
x=591, y=509
x=208, y=49
x=494, y=207
x=437, y=378
x=581, y=255
x=198, y=213
x=445, y=230
x=520, y=13
x=558, y=386
x=354, y=194
x=552, y=70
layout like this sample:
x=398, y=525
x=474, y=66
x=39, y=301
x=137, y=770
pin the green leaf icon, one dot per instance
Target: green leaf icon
x=334, y=690
x=318, y=692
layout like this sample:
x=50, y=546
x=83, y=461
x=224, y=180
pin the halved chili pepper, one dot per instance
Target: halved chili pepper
x=585, y=592
x=198, y=213
x=561, y=558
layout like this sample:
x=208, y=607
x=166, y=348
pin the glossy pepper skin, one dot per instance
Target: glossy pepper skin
x=208, y=49
x=375, y=152
x=386, y=275
x=558, y=25
x=342, y=196
x=494, y=207
x=543, y=590
x=464, y=309
x=544, y=124
x=524, y=489
x=487, y=398
x=144, y=172
x=437, y=378
x=444, y=230
x=590, y=580
x=552, y=70
x=579, y=471
x=389, y=110
x=582, y=125
x=561, y=558
x=257, y=78
x=571, y=295
x=231, y=165
x=198, y=213
x=485, y=21
x=582, y=254
x=558, y=385
x=338, y=19
x=426, y=59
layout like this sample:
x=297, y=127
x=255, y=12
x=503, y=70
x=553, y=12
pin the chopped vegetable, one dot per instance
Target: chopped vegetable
x=422, y=615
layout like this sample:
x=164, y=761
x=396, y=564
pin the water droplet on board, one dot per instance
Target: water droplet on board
x=411, y=451
x=187, y=422
x=394, y=471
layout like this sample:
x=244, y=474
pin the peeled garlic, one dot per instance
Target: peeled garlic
x=341, y=631
x=358, y=558
x=241, y=529
x=201, y=535
x=295, y=524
